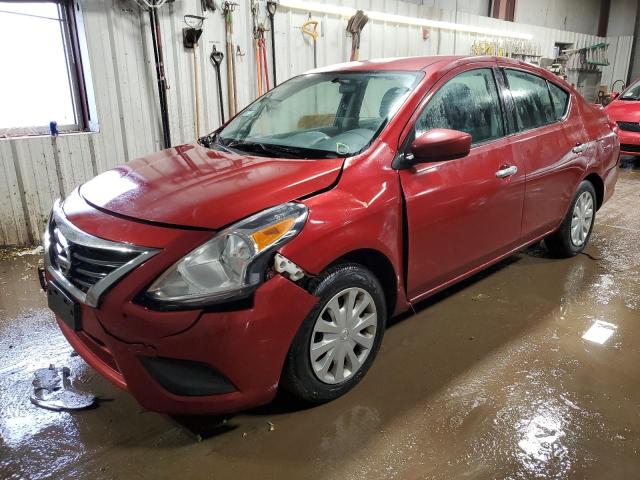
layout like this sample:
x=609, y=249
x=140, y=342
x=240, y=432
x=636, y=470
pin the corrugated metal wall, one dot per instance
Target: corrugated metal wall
x=36, y=171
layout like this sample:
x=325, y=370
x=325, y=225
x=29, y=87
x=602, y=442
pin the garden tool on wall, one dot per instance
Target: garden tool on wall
x=262, y=67
x=216, y=58
x=271, y=10
x=190, y=36
x=354, y=27
x=158, y=55
x=310, y=27
x=227, y=11
x=209, y=5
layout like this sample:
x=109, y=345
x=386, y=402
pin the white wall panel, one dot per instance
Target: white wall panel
x=13, y=229
x=123, y=76
x=571, y=15
x=622, y=17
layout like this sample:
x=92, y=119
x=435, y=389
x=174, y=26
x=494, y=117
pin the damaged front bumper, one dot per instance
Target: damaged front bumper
x=224, y=362
x=218, y=359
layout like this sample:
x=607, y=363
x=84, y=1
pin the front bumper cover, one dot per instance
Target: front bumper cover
x=247, y=348
x=629, y=142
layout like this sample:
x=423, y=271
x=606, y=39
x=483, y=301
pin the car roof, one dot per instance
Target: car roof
x=398, y=63
x=414, y=64
x=438, y=64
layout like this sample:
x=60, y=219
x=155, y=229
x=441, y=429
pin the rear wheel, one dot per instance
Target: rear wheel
x=339, y=339
x=574, y=232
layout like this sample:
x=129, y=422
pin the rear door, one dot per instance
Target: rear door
x=461, y=213
x=551, y=140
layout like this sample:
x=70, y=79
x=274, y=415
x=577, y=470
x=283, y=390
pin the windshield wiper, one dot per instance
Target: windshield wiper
x=274, y=150
x=259, y=148
x=213, y=139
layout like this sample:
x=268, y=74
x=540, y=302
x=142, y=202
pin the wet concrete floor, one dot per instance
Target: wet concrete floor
x=529, y=370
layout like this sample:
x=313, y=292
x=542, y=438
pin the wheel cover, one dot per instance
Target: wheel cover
x=343, y=335
x=581, y=219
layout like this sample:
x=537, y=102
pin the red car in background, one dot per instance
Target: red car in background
x=271, y=252
x=625, y=112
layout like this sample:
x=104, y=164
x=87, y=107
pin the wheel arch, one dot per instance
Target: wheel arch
x=598, y=185
x=380, y=266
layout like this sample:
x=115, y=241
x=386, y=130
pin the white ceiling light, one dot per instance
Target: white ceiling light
x=401, y=19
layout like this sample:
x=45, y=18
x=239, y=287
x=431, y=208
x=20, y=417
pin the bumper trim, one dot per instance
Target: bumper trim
x=91, y=357
x=187, y=378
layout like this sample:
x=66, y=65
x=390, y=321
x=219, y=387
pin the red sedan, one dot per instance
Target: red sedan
x=625, y=112
x=271, y=252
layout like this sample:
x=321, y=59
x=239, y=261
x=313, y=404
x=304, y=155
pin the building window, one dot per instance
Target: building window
x=43, y=79
x=503, y=9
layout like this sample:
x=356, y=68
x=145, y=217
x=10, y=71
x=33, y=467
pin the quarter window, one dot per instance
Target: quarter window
x=560, y=100
x=532, y=99
x=468, y=102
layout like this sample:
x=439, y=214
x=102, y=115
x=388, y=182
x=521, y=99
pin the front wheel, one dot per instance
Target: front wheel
x=337, y=342
x=574, y=232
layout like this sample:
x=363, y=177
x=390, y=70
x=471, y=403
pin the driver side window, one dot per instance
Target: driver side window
x=469, y=103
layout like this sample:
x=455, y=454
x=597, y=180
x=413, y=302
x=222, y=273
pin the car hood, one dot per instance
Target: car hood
x=195, y=186
x=623, y=111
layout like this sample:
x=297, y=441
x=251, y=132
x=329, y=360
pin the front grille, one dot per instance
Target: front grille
x=629, y=126
x=627, y=147
x=85, y=265
x=82, y=265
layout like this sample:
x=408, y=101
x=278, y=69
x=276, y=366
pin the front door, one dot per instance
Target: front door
x=466, y=212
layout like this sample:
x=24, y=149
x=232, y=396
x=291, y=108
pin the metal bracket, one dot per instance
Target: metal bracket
x=151, y=4
x=284, y=265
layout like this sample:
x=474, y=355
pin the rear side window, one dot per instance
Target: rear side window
x=532, y=99
x=560, y=100
x=468, y=102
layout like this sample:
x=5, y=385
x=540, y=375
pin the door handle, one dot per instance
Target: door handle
x=507, y=171
x=579, y=148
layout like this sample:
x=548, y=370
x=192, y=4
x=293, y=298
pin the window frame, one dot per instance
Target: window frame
x=516, y=129
x=70, y=19
x=565, y=114
x=418, y=75
x=426, y=100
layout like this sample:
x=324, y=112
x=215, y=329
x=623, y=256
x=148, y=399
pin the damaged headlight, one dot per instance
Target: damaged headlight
x=231, y=264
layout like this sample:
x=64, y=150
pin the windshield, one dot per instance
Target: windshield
x=318, y=115
x=632, y=93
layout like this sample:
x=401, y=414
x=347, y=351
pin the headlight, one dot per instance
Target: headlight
x=231, y=264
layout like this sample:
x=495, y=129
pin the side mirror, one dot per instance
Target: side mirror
x=439, y=144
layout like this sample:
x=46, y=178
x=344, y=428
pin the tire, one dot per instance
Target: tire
x=561, y=243
x=318, y=381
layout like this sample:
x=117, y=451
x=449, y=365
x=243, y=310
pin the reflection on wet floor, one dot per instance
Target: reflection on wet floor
x=599, y=332
x=526, y=371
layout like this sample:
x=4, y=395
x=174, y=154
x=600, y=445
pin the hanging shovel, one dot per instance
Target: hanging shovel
x=216, y=58
x=354, y=27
